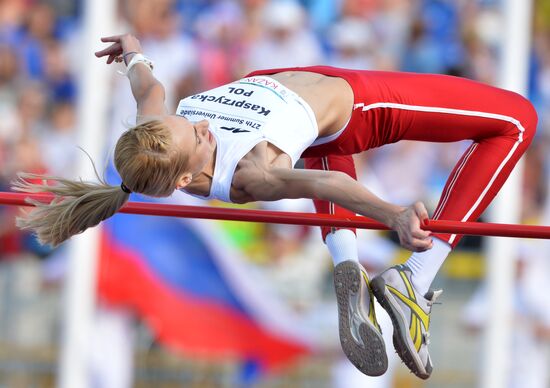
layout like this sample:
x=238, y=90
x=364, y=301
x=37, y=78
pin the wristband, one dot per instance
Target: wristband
x=138, y=58
x=125, y=55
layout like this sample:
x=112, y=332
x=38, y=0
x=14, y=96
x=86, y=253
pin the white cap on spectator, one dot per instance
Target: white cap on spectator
x=488, y=27
x=283, y=14
x=351, y=33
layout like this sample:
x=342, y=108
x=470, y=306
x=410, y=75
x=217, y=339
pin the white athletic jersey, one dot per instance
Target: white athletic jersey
x=244, y=113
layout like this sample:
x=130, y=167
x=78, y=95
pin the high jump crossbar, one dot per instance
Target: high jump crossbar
x=296, y=218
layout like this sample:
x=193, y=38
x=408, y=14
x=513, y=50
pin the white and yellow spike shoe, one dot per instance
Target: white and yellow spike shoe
x=360, y=334
x=410, y=315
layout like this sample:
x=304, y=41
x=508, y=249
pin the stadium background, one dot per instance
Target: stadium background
x=197, y=45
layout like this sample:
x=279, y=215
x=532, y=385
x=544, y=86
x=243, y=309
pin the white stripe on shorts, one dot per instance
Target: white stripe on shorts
x=461, y=112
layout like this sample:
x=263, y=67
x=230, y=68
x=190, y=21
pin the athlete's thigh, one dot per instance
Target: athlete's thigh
x=441, y=108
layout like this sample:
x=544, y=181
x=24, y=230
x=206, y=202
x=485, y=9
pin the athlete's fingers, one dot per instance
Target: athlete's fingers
x=420, y=234
x=416, y=249
x=411, y=243
x=102, y=53
x=414, y=227
x=421, y=245
x=111, y=58
x=420, y=211
x=108, y=50
x=412, y=247
x=114, y=49
x=113, y=38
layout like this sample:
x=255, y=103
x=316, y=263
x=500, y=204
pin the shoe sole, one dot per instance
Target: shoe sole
x=370, y=356
x=400, y=330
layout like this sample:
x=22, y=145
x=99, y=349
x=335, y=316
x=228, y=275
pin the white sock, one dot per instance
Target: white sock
x=342, y=245
x=425, y=265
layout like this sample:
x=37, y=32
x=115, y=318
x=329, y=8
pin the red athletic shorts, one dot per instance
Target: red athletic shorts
x=392, y=106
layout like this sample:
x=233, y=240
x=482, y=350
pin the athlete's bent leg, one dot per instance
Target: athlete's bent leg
x=502, y=125
x=360, y=334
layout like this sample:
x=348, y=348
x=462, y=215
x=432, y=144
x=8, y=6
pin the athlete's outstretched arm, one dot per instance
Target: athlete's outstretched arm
x=147, y=90
x=337, y=187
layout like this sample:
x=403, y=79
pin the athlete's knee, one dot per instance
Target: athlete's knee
x=527, y=117
x=531, y=123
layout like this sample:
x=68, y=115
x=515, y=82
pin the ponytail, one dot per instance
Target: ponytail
x=77, y=206
x=145, y=158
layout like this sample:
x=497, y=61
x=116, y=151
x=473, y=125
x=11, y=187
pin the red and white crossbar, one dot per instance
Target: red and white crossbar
x=295, y=218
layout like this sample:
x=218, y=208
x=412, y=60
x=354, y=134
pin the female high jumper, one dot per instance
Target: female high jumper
x=239, y=143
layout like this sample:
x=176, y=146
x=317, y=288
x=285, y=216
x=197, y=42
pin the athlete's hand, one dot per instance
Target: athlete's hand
x=122, y=45
x=407, y=225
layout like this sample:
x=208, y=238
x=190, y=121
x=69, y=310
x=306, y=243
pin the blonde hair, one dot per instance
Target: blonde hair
x=147, y=162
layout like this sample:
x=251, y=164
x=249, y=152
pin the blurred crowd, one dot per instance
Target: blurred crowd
x=199, y=44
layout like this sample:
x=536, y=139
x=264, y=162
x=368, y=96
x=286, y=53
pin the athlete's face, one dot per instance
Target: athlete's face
x=196, y=141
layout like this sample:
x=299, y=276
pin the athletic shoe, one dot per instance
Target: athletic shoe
x=410, y=315
x=360, y=334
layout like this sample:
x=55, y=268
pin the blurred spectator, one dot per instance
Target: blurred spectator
x=220, y=44
x=39, y=30
x=353, y=45
x=8, y=71
x=12, y=14
x=358, y=8
x=434, y=45
x=253, y=22
x=57, y=77
x=529, y=353
x=285, y=40
x=391, y=25
x=481, y=42
x=8, y=91
x=157, y=25
x=383, y=167
x=23, y=154
x=31, y=108
x=422, y=55
x=296, y=263
x=58, y=140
